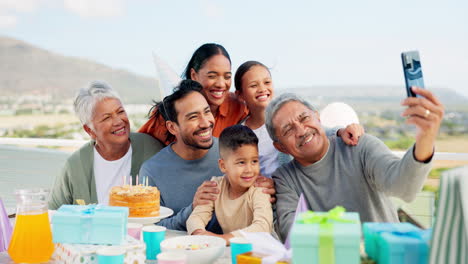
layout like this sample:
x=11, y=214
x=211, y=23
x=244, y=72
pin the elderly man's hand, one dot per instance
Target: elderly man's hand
x=206, y=192
x=269, y=186
x=351, y=134
x=426, y=113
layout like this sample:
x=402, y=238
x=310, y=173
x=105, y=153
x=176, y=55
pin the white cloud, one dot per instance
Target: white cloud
x=9, y=10
x=211, y=9
x=7, y=21
x=19, y=5
x=95, y=8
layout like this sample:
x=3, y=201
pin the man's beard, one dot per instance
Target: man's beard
x=192, y=143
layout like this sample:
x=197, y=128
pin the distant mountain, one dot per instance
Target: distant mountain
x=379, y=97
x=26, y=69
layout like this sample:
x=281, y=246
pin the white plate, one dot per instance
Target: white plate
x=163, y=213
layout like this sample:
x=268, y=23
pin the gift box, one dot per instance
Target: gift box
x=326, y=237
x=90, y=224
x=265, y=249
x=410, y=247
x=81, y=253
x=372, y=233
x=255, y=258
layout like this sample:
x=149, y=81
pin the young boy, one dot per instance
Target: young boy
x=240, y=205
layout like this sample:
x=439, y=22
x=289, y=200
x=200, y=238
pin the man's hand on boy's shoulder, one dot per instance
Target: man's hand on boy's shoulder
x=206, y=193
x=268, y=186
x=351, y=133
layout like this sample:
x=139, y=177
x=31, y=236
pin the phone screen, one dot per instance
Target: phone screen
x=412, y=70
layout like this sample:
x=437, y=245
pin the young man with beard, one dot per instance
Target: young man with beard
x=182, y=170
x=360, y=178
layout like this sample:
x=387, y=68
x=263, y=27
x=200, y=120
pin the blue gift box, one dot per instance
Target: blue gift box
x=372, y=232
x=90, y=224
x=339, y=243
x=392, y=243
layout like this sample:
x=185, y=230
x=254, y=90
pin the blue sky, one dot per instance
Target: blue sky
x=305, y=42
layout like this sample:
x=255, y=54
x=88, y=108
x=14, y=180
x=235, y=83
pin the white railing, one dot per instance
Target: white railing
x=441, y=155
x=421, y=209
x=79, y=143
x=42, y=142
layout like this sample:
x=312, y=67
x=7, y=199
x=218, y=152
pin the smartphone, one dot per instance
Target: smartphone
x=412, y=70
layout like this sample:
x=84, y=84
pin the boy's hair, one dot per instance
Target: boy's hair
x=234, y=137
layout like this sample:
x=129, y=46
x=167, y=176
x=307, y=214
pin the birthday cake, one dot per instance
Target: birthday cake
x=142, y=201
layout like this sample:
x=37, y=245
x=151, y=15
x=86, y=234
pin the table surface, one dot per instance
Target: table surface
x=225, y=259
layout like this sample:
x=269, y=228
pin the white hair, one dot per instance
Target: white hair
x=88, y=97
x=275, y=105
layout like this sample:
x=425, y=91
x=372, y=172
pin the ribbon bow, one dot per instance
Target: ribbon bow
x=89, y=211
x=334, y=214
x=325, y=221
x=84, y=210
x=423, y=235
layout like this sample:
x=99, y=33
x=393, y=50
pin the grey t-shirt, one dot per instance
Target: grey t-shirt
x=360, y=178
x=178, y=179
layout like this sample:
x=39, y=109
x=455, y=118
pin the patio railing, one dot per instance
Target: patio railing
x=421, y=209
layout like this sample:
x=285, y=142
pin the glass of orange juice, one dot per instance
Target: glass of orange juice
x=31, y=241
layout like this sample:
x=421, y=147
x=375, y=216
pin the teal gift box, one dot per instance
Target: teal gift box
x=326, y=237
x=396, y=243
x=372, y=235
x=90, y=224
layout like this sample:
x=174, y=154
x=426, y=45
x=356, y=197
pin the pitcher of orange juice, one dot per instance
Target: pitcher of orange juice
x=31, y=241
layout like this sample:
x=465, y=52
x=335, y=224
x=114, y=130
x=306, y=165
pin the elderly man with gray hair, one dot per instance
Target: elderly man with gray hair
x=360, y=178
x=112, y=153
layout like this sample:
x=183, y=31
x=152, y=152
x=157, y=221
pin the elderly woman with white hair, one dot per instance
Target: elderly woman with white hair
x=112, y=153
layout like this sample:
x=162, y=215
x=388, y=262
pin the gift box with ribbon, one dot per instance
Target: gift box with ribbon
x=326, y=237
x=90, y=224
x=135, y=252
x=372, y=233
x=396, y=243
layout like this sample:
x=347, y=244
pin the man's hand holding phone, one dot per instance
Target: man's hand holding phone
x=424, y=110
x=426, y=113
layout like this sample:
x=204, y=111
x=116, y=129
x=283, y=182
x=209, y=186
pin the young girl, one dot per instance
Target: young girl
x=254, y=85
x=210, y=65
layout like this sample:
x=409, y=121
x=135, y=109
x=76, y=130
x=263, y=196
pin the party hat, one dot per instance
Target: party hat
x=5, y=228
x=301, y=207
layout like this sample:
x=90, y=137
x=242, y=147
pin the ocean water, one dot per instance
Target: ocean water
x=27, y=168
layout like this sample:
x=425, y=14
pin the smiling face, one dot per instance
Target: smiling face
x=110, y=123
x=241, y=166
x=300, y=133
x=194, y=122
x=215, y=77
x=257, y=87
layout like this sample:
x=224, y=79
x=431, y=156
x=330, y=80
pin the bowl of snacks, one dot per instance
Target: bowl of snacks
x=198, y=249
